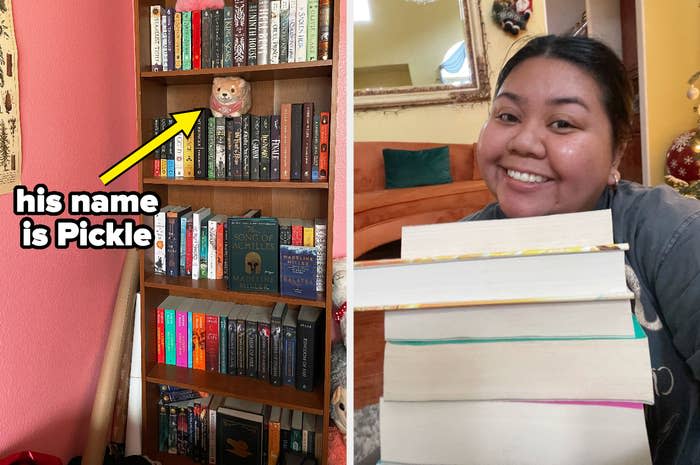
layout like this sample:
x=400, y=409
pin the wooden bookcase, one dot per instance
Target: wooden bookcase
x=161, y=93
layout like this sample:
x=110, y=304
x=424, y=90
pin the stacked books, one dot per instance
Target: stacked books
x=509, y=342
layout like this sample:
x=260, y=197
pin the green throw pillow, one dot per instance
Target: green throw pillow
x=408, y=168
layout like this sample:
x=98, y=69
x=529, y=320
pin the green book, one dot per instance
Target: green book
x=312, y=31
x=186, y=40
x=169, y=305
x=211, y=148
x=253, y=254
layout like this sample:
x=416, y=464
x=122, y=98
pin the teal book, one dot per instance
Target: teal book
x=186, y=40
x=170, y=349
x=189, y=339
x=253, y=254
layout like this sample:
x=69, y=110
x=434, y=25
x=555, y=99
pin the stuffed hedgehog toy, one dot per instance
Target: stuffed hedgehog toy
x=195, y=5
x=512, y=15
x=230, y=96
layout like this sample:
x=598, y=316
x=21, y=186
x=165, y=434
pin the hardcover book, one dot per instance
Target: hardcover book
x=289, y=347
x=274, y=32
x=220, y=141
x=237, y=149
x=253, y=254
x=240, y=32
x=206, y=38
x=302, y=24
x=316, y=147
x=276, y=319
x=292, y=37
x=242, y=340
x=264, y=344
x=201, y=144
x=239, y=433
x=197, y=39
x=284, y=31
x=298, y=268
x=309, y=331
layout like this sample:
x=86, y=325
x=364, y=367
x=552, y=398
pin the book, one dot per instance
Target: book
x=160, y=334
x=184, y=221
x=156, y=55
x=307, y=141
x=211, y=347
x=242, y=339
x=170, y=31
x=212, y=257
x=156, y=152
x=199, y=335
x=578, y=273
x=275, y=147
x=528, y=433
x=302, y=24
x=172, y=240
x=204, y=247
x=308, y=434
x=320, y=232
x=295, y=141
x=298, y=269
x=214, y=405
x=236, y=148
x=253, y=349
x=285, y=225
x=186, y=40
x=309, y=331
x=222, y=311
x=159, y=235
x=197, y=218
x=252, y=55
x=227, y=59
x=255, y=147
x=179, y=141
x=263, y=32
x=239, y=431
x=197, y=39
x=285, y=141
x=263, y=362
x=289, y=347
x=211, y=148
x=276, y=341
x=312, y=30
x=264, y=148
x=520, y=369
x=245, y=147
x=292, y=35
x=164, y=39
x=273, y=451
x=316, y=148
x=232, y=339
x=284, y=31
x=324, y=29
x=253, y=254
x=183, y=337
x=285, y=430
x=169, y=306
x=189, y=157
x=164, y=148
x=240, y=32
x=177, y=23
x=218, y=38
x=324, y=143
x=220, y=144
x=200, y=132
x=507, y=235
x=296, y=430
x=207, y=32
x=275, y=32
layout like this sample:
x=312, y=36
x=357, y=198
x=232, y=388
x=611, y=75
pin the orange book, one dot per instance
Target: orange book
x=273, y=441
x=198, y=341
x=324, y=146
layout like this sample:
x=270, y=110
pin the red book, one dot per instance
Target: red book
x=285, y=141
x=324, y=143
x=156, y=167
x=188, y=249
x=297, y=234
x=307, y=141
x=197, y=39
x=212, y=344
x=160, y=331
x=220, y=246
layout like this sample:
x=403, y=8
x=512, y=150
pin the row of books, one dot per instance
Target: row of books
x=291, y=146
x=224, y=430
x=245, y=340
x=251, y=32
x=253, y=253
x=530, y=334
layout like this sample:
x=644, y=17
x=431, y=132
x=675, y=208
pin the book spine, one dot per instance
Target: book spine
x=240, y=32
x=170, y=15
x=289, y=348
x=178, y=40
x=295, y=440
x=189, y=157
x=223, y=343
x=307, y=141
x=225, y=247
x=156, y=153
x=196, y=237
x=324, y=29
x=312, y=31
x=164, y=39
x=252, y=348
x=170, y=354
x=231, y=359
x=211, y=148
x=237, y=149
x=316, y=147
x=245, y=147
x=190, y=430
x=212, y=344
x=220, y=144
x=285, y=141
x=229, y=148
x=274, y=32
x=241, y=348
x=171, y=152
x=264, y=350
x=284, y=31
x=264, y=148
x=172, y=245
x=156, y=42
x=160, y=334
x=211, y=433
x=211, y=250
x=320, y=244
x=179, y=155
x=159, y=233
x=228, y=37
x=273, y=452
x=183, y=245
x=263, y=31
x=172, y=431
x=292, y=35
x=181, y=431
x=188, y=247
x=275, y=147
x=186, y=40
x=252, y=32
x=254, y=148
x=297, y=234
x=163, y=423
x=297, y=117
x=197, y=39
x=302, y=24
x=181, y=339
x=324, y=141
x=198, y=340
x=220, y=247
x=305, y=358
x=188, y=341
x=275, y=352
x=163, y=123
x=308, y=234
x=218, y=38
x=200, y=147
x=286, y=234
x=205, y=40
x=203, y=250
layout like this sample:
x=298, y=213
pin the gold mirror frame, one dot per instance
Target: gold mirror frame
x=439, y=94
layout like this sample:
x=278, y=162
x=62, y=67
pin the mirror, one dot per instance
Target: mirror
x=418, y=52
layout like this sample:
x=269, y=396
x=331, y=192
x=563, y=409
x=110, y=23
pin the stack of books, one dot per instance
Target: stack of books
x=508, y=341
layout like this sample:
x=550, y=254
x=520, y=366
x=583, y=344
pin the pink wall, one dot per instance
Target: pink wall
x=340, y=203
x=77, y=104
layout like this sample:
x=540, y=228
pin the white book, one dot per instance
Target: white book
x=302, y=23
x=263, y=31
x=292, y=38
x=156, y=52
x=179, y=155
x=507, y=235
x=159, y=237
x=164, y=41
x=275, y=32
x=594, y=318
x=583, y=273
x=196, y=227
x=500, y=433
x=544, y=369
x=214, y=404
x=320, y=227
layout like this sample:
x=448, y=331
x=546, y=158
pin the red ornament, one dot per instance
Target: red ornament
x=681, y=161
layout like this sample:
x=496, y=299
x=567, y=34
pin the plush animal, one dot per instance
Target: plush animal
x=194, y=5
x=512, y=15
x=336, y=440
x=230, y=96
x=339, y=293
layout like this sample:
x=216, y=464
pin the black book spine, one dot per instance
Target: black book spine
x=197, y=446
x=245, y=146
x=289, y=349
x=182, y=431
x=275, y=351
x=232, y=368
x=237, y=149
x=200, y=145
x=163, y=421
x=306, y=352
x=190, y=431
x=220, y=148
x=254, y=148
x=170, y=30
x=307, y=142
x=296, y=130
x=229, y=149
x=286, y=234
x=206, y=38
x=156, y=152
x=241, y=349
x=251, y=328
x=163, y=122
x=172, y=245
x=275, y=147
x=218, y=40
x=264, y=350
x=264, y=148
x=252, y=32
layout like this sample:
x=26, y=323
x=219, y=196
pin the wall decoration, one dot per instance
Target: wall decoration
x=512, y=15
x=10, y=132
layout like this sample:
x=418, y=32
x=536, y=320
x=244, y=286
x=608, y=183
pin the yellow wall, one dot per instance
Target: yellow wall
x=671, y=54
x=446, y=123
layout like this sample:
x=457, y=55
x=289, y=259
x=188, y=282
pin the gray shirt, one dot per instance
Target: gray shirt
x=662, y=229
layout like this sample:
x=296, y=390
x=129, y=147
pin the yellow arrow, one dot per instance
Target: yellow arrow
x=184, y=121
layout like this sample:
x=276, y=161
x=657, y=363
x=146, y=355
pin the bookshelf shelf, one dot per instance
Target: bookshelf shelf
x=216, y=289
x=238, y=386
x=282, y=71
x=162, y=93
x=236, y=184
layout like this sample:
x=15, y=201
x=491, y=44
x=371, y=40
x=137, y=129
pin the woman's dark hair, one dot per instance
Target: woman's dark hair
x=599, y=61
